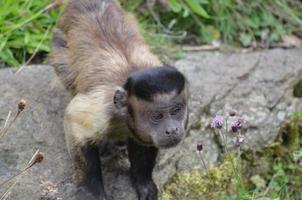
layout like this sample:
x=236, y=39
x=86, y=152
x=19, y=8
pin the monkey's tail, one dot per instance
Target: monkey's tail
x=59, y=60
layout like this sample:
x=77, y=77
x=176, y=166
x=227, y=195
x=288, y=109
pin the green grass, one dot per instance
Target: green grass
x=25, y=29
x=297, y=115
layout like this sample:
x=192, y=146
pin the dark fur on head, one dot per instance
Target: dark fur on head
x=146, y=83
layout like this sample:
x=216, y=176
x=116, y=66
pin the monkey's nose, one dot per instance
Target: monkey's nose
x=172, y=131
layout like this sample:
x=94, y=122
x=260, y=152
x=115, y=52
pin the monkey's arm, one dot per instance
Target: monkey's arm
x=85, y=124
x=142, y=159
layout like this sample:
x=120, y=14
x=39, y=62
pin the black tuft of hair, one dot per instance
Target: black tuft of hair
x=145, y=83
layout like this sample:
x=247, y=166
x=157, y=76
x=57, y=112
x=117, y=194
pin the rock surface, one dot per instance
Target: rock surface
x=257, y=85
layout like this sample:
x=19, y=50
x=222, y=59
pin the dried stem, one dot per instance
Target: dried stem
x=36, y=158
x=14, y=176
x=8, y=122
x=35, y=51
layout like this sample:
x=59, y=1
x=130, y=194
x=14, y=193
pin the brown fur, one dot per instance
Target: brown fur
x=102, y=45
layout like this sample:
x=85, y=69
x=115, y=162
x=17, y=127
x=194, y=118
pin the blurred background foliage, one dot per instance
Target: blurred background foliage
x=25, y=25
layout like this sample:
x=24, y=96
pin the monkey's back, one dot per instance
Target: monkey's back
x=96, y=43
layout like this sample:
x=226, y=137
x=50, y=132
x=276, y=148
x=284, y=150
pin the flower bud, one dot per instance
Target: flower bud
x=21, y=105
x=232, y=113
x=199, y=147
x=234, y=127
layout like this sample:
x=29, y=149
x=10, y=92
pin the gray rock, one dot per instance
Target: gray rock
x=257, y=85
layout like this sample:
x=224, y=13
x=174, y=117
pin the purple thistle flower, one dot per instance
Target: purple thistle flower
x=199, y=147
x=234, y=127
x=217, y=122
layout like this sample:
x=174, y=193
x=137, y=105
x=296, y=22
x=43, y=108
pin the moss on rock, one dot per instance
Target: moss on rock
x=198, y=185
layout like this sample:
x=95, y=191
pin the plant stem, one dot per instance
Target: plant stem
x=8, y=123
x=226, y=131
x=203, y=162
x=223, y=139
x=14, y=176
x=31, y=163
x=35, y=51
x=7, y=192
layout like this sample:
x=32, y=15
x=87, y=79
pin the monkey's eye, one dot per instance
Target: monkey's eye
x=157, y=116
x=176, y=109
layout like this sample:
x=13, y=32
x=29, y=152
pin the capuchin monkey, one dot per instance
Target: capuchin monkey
x=117, y=85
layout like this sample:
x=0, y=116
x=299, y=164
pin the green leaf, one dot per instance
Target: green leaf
x=26, y=37
x=209, y=33
x=203, y=1
x=174, y=5
x=7, y=56
x=197, y=8
x=298, y=154
x=245, y=39
x=186, y=12
x=274, y=36
x=3, y=41
x=252, y=23
x=267, y=19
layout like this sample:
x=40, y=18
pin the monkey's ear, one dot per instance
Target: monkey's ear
x=120, y=98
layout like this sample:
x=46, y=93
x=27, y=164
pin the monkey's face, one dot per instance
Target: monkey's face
x=155, y=103
x=160, y=122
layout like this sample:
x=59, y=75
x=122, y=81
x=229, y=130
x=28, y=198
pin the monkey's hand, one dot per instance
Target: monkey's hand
x=146, y=191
